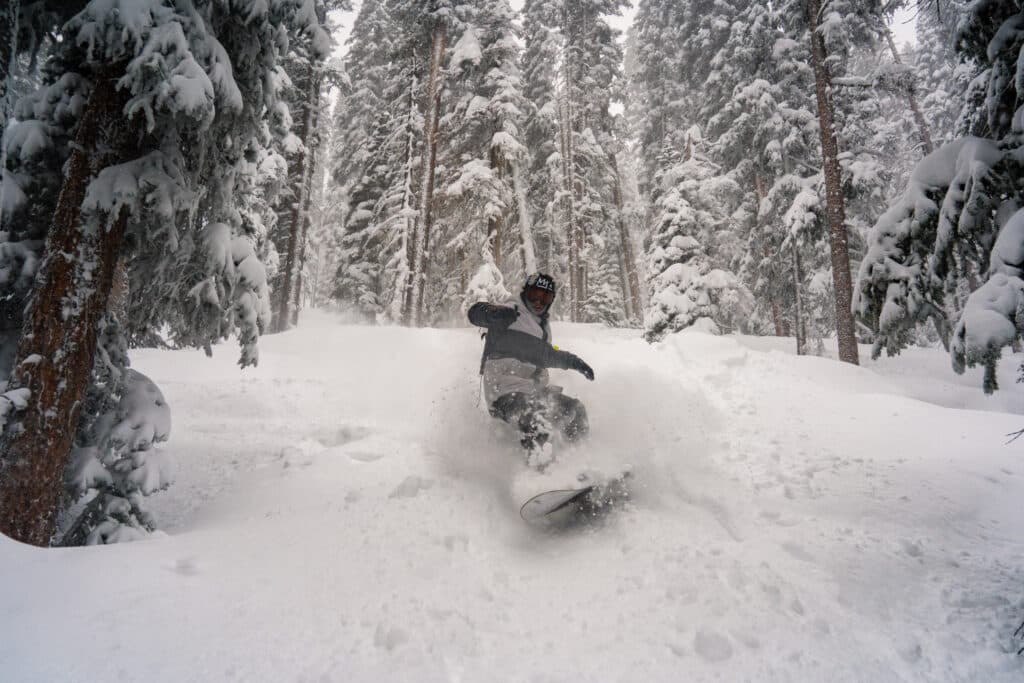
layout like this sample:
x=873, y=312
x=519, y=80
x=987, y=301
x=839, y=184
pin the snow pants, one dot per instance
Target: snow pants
x=538, y=415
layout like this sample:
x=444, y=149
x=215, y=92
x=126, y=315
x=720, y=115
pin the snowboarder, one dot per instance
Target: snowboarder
x=517, y=354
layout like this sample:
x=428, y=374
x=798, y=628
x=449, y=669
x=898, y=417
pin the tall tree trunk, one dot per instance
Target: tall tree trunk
x=798, y=299
x=922, y=125
x=495, y=224
x=526, y=246
x=403, y=279
x=300, y=202
x=631, y=277
x=424, y=220
x=836, y=207
x=311, y=143
x=568, y=195
x=55, y=355
x=776, y=308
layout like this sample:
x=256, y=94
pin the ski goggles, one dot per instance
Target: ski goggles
x=538, y=296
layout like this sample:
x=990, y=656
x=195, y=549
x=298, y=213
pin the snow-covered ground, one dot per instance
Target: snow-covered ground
x=347, y=512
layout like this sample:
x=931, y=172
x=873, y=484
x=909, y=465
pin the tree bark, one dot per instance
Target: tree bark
x=495, y=224
x=300, y=202
x=568, y=199
x=56, y=351
x=526, y=246
x=403, y=279
x=836, y=208
x=631, y=278
x=798, y=308
x=922, y=125
x=312, y=126
x=779, y=322
x=424, y=221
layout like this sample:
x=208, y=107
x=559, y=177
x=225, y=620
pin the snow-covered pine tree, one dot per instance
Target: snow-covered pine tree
x=989, y=224
x=129, y=191
x=591, y=75
x=539, y=68
x=832, y=28
x=723, y=52
x=430, y=22
x=959, y=220
x=326, y=206
x=25, y=32
x=300, y=113
x=476, y=195
x=694, y=203
x=363, y=124
x=761, y=127
x=942, y=77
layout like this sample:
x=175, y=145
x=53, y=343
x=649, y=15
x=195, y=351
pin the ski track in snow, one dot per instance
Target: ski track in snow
x=347, y=511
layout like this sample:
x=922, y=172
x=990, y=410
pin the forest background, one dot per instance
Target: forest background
x=178, y=173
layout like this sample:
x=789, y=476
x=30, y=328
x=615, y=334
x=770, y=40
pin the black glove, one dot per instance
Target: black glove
x=573, y=362
x=502, y=316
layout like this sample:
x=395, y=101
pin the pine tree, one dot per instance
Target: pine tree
x=481, y=130
x=307, y=73
x=953, y=227
x=539, y=62
x=130, y=193
x=840, y=24
x=694, y=203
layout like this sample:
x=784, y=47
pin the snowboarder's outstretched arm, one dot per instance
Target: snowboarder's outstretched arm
x=491, y=316
x=529, y=349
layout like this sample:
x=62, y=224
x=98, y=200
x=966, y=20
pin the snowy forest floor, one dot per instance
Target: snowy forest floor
x=346, y=511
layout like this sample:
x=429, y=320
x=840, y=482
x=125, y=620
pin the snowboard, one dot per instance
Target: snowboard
x=561, y=505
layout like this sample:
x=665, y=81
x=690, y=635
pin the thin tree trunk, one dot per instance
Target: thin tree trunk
x=55, y=355
x=526, y=246
x=777, y=319
x=421, y=241
x=631, y=280
x=836, y=208
x=922, y=125
x=495, y=224
x=299, y=197
x=568, y=200
x=403, y=281
x=798, y=309
x=312, y=125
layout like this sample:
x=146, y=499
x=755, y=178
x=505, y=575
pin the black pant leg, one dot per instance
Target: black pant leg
x=569, y=415
x=525, y=412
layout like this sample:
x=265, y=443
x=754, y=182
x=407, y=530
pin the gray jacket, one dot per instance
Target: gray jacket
x=516, y=356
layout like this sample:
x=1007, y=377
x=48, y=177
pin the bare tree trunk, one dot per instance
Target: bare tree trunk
x=836, y=208
x=631, y=278
x=300, y=203
x=526, y=246
x=311, y=142
x=569, y=191
x=777, y=319
x=922, y=125
x=55, y=354
x=495, y=224
x=421, y=241
x=798, y=322
x=403, y=279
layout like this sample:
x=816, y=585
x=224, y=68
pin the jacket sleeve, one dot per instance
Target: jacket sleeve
x=483, y=314
x=526, y=348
